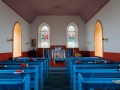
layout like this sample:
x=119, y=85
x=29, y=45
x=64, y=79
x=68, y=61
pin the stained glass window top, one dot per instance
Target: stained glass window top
x=45, y=28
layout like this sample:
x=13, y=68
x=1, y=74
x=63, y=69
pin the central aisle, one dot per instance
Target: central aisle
x=57, y=80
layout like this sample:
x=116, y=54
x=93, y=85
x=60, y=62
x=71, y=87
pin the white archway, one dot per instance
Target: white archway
x=98, y=35
x=17, y=40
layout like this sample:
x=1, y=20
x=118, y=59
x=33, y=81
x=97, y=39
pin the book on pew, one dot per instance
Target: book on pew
x=41, y=58
x=19, y=60
x=90, y=62
x=1, y=66
x=24, y=65
x=116, y=81
x=103, y=60
x=18, y=71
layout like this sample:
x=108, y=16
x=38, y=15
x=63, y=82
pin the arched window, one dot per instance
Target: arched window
x=44, y=35
x=72, y=35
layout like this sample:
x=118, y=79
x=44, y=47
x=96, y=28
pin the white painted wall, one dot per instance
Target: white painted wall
x=58, y=25
x=109, y=16
x=7, y=19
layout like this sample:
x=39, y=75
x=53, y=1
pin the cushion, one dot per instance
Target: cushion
x=78, y=62
x=32, y=60
x=23, y=65
x=90, y=62
x=19, y=60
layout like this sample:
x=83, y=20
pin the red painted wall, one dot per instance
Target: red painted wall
x=107, y=55
x=83, y=53
x=40, y=52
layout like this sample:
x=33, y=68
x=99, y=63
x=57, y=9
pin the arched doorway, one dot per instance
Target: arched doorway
x=17, y=39
x=98, y=35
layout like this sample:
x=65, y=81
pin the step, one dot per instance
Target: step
x=57, y=73
x=57, y=68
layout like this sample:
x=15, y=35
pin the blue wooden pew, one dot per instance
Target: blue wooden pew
x=12, y=67
x=92, y=83
x=89, y=60
x=86, y=57
x=94, y=73
x=12, y=62
x=91, y=66
x=83, y=59
x=46, y=63
x=83, y=62
x=15, y=83
x=36, y=59
x=32, y=72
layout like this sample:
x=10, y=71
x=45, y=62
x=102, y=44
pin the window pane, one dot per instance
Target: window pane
x=71, y=36
x=45, y=36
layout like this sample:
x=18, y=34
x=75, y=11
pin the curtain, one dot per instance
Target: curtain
x=69, y=53
x=48, y=53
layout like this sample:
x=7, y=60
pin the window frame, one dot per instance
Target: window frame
x=39, y=35
x=76, y=34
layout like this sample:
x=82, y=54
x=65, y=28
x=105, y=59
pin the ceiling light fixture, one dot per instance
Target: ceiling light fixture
x=57, y=9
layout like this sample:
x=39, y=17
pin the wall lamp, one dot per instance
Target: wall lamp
x=105, y=39
x=88, y=42
x=27, y=43
x=10, y=40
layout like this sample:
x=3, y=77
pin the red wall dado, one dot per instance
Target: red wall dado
x=40, y=52
x=107, y=55
x=111, y=55
x=89, y=53
x=7, y=55
x=83, y=53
